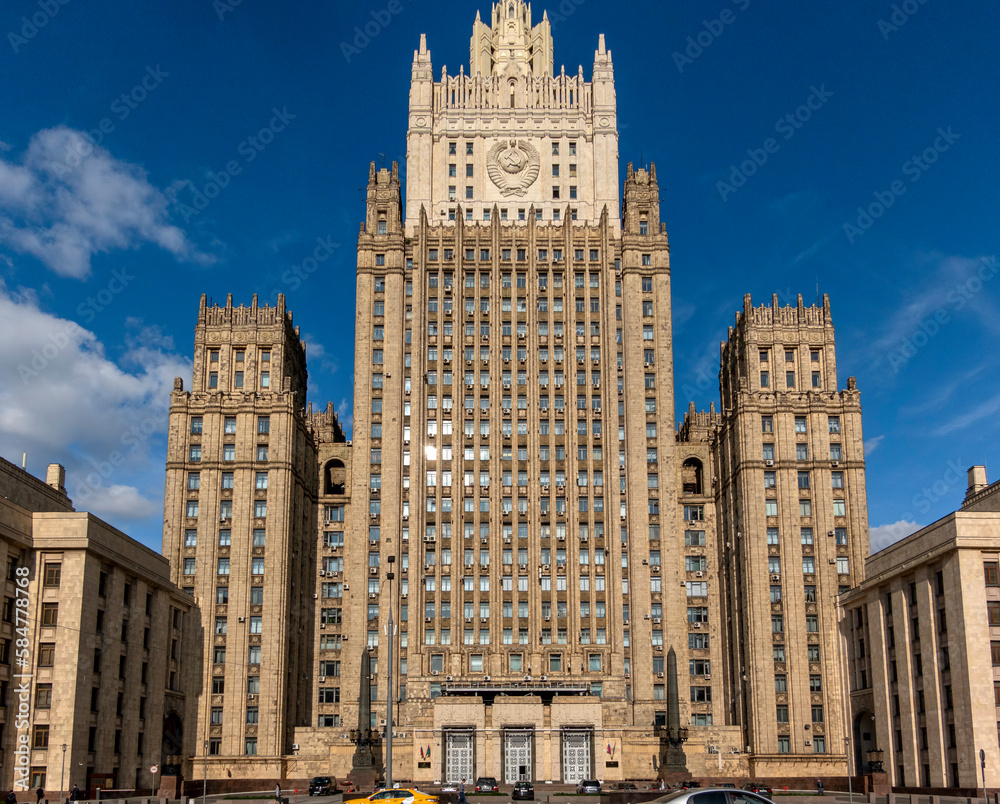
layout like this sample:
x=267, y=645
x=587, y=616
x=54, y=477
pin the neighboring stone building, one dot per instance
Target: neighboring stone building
x=240, y=532
x=794, y=514
x=580, y=589
x=106, y=636
x=922, y=649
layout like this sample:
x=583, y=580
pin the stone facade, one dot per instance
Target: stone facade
x=922, y=650
x=579, y=588
x=107, y=637
x=240, y=533
x=793, y=508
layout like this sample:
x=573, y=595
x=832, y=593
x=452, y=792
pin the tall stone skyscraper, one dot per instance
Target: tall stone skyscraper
x=793, y=508
x=513, y=378
x=239, y=530
x=580, y=587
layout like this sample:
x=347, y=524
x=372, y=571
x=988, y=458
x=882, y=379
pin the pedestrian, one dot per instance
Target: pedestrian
x=75, y=795
x=819, y=786
x=39, y=794
x=277, y=793
x=11, y=798
x=461, y=792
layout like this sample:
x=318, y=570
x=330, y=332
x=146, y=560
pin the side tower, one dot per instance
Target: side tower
x=239, y=529
x=793, y=530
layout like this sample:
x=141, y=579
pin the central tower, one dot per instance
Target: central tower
x=512, y=138
x=514, y=405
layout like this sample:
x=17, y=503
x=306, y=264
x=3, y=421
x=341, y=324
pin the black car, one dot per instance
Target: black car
x=759, y=789
x=523, y=791
x=589, y=786
x=686, y=785
x=487, y=784
x=623, y=786
x=320, y=786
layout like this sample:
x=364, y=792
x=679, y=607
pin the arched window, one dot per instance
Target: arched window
x=335, y=477
x=691, y=476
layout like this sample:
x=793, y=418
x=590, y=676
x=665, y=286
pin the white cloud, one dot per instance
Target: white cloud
x=65, y=402
x=345, y=415
x=884, y=535
x=68, y=200
x=872, y=444
x=948, y=289
x=983, y=410
x=317, y=355
x=117, y=503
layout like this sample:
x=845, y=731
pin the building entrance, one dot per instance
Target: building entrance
x=517, y=755
x=459, y=752
x=576, y=751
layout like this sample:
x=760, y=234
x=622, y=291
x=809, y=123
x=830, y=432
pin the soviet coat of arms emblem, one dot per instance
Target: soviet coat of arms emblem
x=512, y=166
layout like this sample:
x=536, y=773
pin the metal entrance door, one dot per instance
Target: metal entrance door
x=517, y=756
x=459, y=750
x=576, y=756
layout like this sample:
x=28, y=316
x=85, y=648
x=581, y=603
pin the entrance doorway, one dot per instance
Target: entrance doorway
x=576, y=752
x=459, y=752
x=517, y=755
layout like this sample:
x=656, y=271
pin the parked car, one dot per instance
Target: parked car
x=523, y=791
x=693, y=796
x=687, y=784
x=760, y=789
x=487, y=784
x=727, y=785
x=623, y=786
x=320, y=786
x=589, y=786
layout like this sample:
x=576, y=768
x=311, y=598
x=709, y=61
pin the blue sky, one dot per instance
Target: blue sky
x=771, y=124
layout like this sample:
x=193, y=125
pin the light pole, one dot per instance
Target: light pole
x=204, y=782
x=62, y=773
x=388, y=693
x=847, y=750
x=982, y=764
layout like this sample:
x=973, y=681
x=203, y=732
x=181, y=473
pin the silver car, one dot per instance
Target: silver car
x=711, y=795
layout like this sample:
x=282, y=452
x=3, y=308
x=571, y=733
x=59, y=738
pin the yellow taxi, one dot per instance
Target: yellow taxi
x=398, y=795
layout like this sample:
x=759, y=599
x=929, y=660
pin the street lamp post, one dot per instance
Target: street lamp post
x=388, y=693
x=62, y=773
x=982, y=764
x=204, y=778
x=847, y=750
